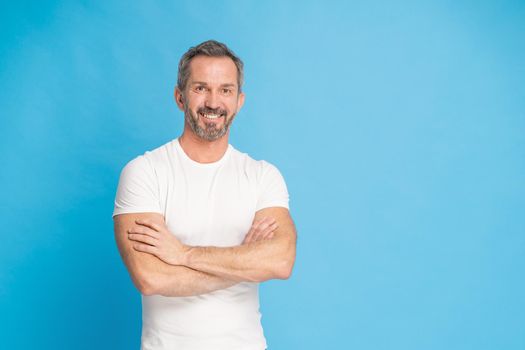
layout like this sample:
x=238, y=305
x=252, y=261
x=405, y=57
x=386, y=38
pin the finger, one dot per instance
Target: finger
x=251, y=236
x=262, y=226
x=259, y=236
x=265, y=220
x=248, y=238
x=148, y=223
x=256, y=229
x=258, y=221
x=256, y=235
x=143, y=230
x=270, y=220
x=142, y=238
x=253, y=229
x=145, y=248
x=270, y=231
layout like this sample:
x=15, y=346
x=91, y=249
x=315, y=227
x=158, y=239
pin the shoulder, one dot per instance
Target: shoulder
x=253, y=167
x=151, y=161
x=259, y=171
x=160, y=155
x=269, y=184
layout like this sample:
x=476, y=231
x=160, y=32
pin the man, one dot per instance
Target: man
x=200, y=224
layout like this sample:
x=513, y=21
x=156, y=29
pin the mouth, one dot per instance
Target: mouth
x=211, y=116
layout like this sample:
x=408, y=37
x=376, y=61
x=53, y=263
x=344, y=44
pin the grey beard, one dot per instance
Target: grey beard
x=210, y=132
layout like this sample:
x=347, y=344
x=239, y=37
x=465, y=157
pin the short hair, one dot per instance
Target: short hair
x=210, y=48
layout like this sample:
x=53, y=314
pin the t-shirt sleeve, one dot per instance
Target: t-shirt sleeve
x=272, y=191
x=137, y=190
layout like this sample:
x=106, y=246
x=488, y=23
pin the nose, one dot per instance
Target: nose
x=212, y=100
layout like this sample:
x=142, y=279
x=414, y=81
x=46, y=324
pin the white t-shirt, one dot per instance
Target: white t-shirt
x=210, y=204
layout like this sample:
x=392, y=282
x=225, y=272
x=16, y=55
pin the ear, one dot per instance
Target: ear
x=179, y=98
x=240, y=101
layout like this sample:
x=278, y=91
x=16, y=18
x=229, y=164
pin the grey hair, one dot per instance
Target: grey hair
x=209, y=48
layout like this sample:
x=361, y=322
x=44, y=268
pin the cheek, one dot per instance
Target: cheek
x=194, y=100
x=233, y=105
x=195, y=105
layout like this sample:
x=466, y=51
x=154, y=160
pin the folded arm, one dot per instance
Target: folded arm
x=152, y=275
x=256, y=261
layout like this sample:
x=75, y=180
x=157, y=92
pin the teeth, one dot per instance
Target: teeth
x=211, y=116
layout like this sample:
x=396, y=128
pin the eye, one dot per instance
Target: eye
x=227, y=91
x=200, y=88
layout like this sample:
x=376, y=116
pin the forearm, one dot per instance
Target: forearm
x=154, y=276
x=254, y=262
x=182, y=281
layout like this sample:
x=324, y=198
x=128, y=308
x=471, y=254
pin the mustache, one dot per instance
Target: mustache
x=207, y=110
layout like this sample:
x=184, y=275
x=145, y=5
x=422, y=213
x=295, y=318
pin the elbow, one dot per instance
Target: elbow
x=145, y=285
x=276, y=271
x=146, y=290
x=284, y=270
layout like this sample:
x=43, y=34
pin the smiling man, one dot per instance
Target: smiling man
x=199, y=224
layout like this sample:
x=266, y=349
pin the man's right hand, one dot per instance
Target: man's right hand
x=261, y=230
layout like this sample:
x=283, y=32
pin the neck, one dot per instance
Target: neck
x=201, y=150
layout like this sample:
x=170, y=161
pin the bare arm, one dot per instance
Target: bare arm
x=152, y=275
x=255, y=261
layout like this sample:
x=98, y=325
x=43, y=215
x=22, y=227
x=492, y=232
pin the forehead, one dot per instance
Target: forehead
x=213, y=70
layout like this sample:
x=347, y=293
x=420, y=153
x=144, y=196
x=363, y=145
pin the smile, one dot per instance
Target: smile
x=211, y=116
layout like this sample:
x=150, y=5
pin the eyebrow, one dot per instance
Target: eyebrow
x=205, y=83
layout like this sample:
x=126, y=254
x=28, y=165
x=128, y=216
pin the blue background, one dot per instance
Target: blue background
x=399, y=127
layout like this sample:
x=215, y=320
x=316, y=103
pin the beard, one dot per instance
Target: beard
x=210, y=132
